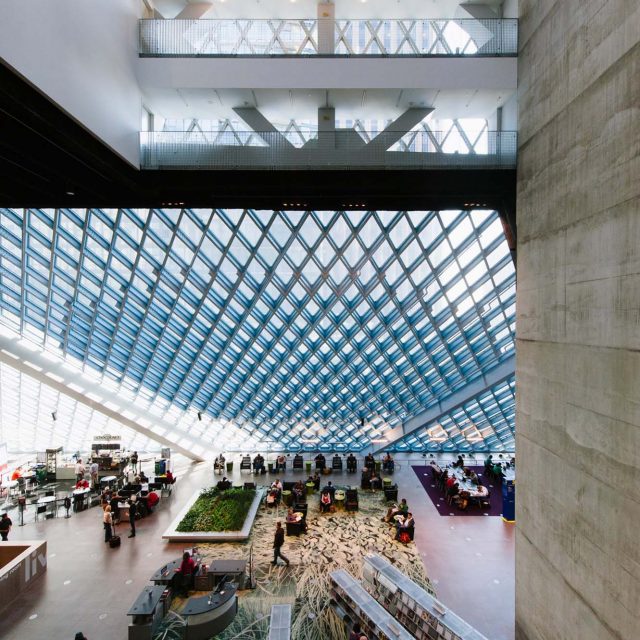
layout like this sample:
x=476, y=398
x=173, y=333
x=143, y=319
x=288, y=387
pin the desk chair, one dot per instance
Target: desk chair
x=41, y=509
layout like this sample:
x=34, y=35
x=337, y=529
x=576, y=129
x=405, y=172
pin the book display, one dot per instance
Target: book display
x=352, y=602
x=417, y=610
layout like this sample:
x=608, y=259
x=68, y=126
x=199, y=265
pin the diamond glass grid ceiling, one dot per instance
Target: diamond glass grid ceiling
x=306, y=329
x=484, y=423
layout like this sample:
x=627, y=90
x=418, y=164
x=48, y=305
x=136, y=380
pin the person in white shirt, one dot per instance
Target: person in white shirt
x=93, y=469
x=79, y=470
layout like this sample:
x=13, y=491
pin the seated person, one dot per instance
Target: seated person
x=218, y=463
x=405, y=524
x=436, y=471
x=488, y=464
x=370, y=461
x=352, y=463
x=397, y=510
x=481, y=492
x=388, y=463
x=320, y=462
x=375, y=480
x=296, y=517
x=272, y=498
x=316, y=481
x=325, y=501
x=451, y=480
x=224, y=484
x=186, y=570
x=497, y=472
x=258, y=464
x=454, y=489
x=298, y=491
x=277, y=485
x=281, y=462
x=462, y=501
x=473, y=476
x=169, y=477
x=329, y=488
x=143, y=478
x=459, y=462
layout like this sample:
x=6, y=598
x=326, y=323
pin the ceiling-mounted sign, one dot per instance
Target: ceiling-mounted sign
x=105, y=437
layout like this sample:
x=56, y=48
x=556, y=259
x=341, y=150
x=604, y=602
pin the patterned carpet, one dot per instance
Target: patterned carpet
x=444, y=509
x=338, y=540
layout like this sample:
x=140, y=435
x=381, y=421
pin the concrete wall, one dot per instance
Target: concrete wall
x=82, y=55
x=578, y=323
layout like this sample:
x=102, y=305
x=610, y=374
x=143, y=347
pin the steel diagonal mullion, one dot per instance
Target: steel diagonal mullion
x=463, y=135
x=190, y=323
x=432, y=137
x=308, y=30
x=391, y=298
x=244, y=30
x=440, y=37
x=23, y=260
x=276, y=35
x=116, y=327
x=373, y=31
x=342, y=36
x=270, y=271
x=313, y=326
x=171, y=314
x=407, y=37
x=47, y=316
x=107, y=271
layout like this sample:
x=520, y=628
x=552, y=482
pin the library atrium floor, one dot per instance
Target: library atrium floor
x=88, y=587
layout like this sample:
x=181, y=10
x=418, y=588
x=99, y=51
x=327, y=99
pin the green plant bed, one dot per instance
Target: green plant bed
x=216, y=510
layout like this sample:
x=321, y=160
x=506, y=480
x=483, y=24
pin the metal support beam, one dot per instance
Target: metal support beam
x=41, y=367
x=469, y=392
x=262, y=127
x=398, y=128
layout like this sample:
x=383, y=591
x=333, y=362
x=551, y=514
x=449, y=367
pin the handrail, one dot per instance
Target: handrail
x=344, y=148
x=413, y=37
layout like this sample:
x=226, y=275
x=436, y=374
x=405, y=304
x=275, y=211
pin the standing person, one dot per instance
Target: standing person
x=93, y=469
x=5, y=527
x=134, y=461
x=133, y=509
x=107, y=521
x=278, y=541
x=79, y=470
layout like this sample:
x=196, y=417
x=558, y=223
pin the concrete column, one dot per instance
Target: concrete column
x=327, y=128
x=326, y=27
x=578, y=320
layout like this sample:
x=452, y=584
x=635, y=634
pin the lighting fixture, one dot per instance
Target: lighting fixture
x=54, y=415
x=199, y=415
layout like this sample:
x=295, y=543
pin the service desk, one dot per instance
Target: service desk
x=206, y=616
x=147, y=613
x=232, y=569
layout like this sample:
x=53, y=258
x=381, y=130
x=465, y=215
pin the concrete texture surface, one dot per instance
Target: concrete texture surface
x=578, y=321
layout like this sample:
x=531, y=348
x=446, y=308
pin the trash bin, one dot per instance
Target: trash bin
x=378, y=466
x=311, y=487
x=307, y=466
x=270, y=467
x=229, y=468
x=287, y=497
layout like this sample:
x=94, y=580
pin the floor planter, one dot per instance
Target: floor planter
x=173, y=534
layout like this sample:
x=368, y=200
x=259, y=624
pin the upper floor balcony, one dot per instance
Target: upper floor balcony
x=305, y=38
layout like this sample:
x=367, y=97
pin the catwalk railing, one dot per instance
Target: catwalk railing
x=326, y=37
x=343, y=149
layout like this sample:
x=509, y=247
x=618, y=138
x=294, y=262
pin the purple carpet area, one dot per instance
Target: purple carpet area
x=440, y=501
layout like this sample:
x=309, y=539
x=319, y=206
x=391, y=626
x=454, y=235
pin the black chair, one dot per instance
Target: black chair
x=320, y=464
x=336, y=463
x=298, y=463
x=365, y=482
x=245, y=463
x=41, y=509
x=288, y=486
x=295, y=528
x=352, y=465
x=249, y=485
x=351, y=500
x=409, y=530
x=391, y=493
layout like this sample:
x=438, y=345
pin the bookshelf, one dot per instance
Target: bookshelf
x=351, y=599
x=417, y=610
